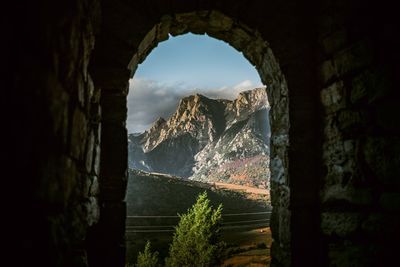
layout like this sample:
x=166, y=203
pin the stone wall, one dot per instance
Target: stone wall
x=56, y=132
x=360, y=194
x=331, y=69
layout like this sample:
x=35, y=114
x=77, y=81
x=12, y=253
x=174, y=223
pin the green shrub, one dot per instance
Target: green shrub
x=147, y=258
x=196, y=238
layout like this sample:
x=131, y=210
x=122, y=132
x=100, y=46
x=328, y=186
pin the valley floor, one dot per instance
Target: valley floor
x=252, y=248
x=243, y=188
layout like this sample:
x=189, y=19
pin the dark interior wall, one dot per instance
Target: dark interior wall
x=53, y=114
x=344, y=200
x=360, y=191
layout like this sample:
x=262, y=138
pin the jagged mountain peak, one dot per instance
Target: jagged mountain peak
x=252, y=99
x=159, y=122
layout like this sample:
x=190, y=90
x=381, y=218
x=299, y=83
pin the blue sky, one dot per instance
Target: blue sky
x=182, y=66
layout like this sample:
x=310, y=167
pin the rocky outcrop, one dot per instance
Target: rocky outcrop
x=209, y=140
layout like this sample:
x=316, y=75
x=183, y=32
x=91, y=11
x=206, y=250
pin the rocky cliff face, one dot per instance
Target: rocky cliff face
x=209, y=140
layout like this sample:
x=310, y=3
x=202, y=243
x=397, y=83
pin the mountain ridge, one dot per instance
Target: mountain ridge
x=202, y=129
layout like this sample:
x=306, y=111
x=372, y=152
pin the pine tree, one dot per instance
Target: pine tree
x=147, y=258
x=196, y=238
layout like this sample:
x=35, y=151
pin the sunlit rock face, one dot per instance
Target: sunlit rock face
x=209, y=140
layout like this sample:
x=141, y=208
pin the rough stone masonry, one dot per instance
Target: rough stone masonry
x=331, y=68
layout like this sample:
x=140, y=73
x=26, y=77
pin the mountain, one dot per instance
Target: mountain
x=210, y=140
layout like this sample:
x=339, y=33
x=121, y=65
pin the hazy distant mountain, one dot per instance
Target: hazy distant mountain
x=209, y=140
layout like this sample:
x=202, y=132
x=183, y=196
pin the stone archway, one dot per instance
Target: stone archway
x=343, y=152
x=260, y=55
x=113, y=80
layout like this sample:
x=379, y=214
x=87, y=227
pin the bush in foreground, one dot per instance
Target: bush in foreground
x=147, y=258
x=196, y=238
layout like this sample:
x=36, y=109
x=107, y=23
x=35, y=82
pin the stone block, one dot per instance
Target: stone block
x=219, y=21
x=240, y=39
x=369, y=86
x=338, y=194
x=332, y=132
x=352, y=122
x=341, y=224
x=90, y=186
x=280, y=255
x=96, y=162
x=90, y=152
x=255, y=51
x=333, y=97
x=90, y=89
x=381, y=155
x=277, y=171
x=284, y=227
x=353, y=58
x=94, y=189
x=327, y=71
x=148, y=43
x=59, y=180
x=78, y=134
x=333, y=153
x=81, y=91
x=334, y=41
x=163, y=28
x=92, y=211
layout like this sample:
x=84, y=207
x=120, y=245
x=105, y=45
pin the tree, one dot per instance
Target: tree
x=196, y=238
x=146, y=258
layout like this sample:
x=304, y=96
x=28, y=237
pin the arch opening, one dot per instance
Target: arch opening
x=193, y=132
x=257, y=51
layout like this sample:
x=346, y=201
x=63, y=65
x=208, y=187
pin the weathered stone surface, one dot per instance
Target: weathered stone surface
x=327, y=71
x=277, y=171
x=341, y=224
x=353, y=58
x=94, y=187
x=78, y=134
x=333, y=97
x=59, y=181
x=352, y=122
x=338, y=194
x=93, y=211
x=334, y=41
x=376, y=150
x=89, y=152
x=91, y=186
x=96, y=162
